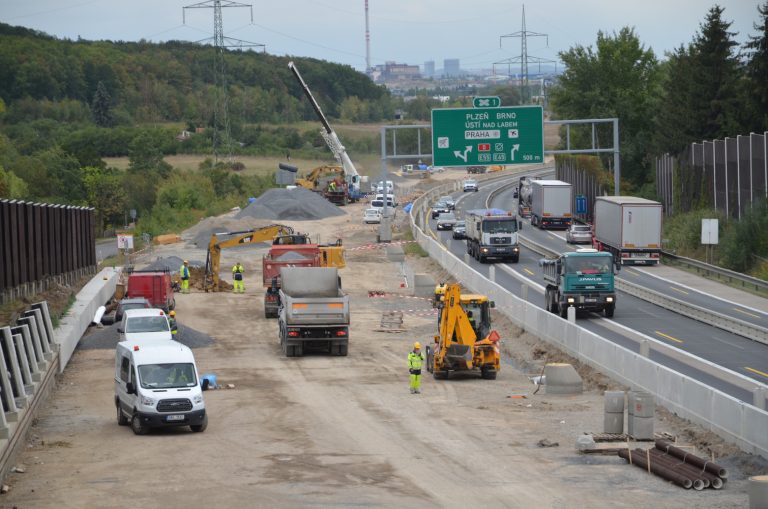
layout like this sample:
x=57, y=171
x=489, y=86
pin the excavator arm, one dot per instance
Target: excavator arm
x=213, y=259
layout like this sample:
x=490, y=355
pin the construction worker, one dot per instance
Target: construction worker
x=172, y=322
x=184, y=274
x=415, y=360
x=237, y=278
x=332, y=186
x=471, y=319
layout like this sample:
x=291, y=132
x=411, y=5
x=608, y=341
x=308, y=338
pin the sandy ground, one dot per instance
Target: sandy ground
x=321, y=431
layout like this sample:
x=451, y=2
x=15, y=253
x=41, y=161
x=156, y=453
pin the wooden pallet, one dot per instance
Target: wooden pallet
x=392, y=320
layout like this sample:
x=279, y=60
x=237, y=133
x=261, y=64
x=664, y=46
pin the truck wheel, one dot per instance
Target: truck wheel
x=608, y=310
x=516, y=259
x=137, y=426
x=488, y=373
x=340, y=350
x=199, y=428
x=440, y=375
x=563, y=311
x=122, y=420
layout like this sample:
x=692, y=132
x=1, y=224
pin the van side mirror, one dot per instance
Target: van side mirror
x=120, y=330
x=205, y=384
x=130, y=388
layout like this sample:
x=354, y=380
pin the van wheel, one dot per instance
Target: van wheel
x=122, y=420
x=137, y=427
x=199, y=428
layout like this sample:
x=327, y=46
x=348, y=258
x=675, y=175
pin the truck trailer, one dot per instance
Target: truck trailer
x=492, y=234
x=629, y=228
x=551, y=204
x=314, y=311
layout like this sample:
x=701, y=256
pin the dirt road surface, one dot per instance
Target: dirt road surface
x=321, y=431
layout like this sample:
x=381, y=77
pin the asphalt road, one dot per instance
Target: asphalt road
x=106, y=248
x=728, y=350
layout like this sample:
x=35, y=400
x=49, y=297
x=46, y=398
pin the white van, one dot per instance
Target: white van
x=144, y=324
x=157, y=385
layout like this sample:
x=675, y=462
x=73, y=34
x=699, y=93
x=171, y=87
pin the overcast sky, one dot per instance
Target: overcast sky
x=409, y=31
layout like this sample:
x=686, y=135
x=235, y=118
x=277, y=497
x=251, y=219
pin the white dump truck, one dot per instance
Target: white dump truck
x=492, y=234
x=629, y=227
x=551, y=204
x=314, y=311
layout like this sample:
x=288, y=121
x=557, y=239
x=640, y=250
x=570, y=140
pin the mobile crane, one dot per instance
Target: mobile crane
x=464, y=344
x=351, y=177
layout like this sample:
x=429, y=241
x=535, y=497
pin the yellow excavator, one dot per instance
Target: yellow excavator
x=330, y=255
x=465, y=341
x=232, y=239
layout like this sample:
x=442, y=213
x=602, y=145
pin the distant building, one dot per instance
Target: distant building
x=392, y=71
x=451, y=68
x=429, y=69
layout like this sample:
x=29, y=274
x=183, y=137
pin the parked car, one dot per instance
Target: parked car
x=440, y=207
x=130, y=303
x=372, y=216
x=446, y=221
x=145, y=325
x=470, y=185
x=579, y=234
x=460, y=230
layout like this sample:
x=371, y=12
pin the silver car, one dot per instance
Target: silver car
x=446, y=221
x=579, y=234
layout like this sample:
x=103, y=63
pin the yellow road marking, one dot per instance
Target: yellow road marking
x=679, y=290
x=746, y=313
x=433, y=234
x=528, y=271
x=756, y=371
x=668, y=337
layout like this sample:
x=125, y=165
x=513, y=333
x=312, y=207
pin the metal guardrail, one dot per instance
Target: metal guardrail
x=713, y=271
x=708, y=316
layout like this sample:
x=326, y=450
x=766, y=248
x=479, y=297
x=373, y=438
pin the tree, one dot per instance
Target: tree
x=106, y=193
x=101, y=106
x=146, y=155
x=757, y=75
x=619, y=78
x=11, y=186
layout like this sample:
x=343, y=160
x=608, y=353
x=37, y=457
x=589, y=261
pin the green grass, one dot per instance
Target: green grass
x=56, y=318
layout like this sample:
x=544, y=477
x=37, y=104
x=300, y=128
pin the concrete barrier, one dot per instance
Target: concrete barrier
x=732, y=419
x=72, y=327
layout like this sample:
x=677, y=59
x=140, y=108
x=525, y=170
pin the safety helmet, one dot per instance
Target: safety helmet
x=186, y=262
x=172, y=313
x=417, y=345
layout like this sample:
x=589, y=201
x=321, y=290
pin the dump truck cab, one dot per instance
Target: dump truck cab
x=583, y=279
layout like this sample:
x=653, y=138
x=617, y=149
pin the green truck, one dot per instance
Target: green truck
x=582, y=279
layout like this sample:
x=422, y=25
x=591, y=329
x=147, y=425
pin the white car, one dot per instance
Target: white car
x=470, y=185
x=446, y=221
x=144, y=324
x=579, y=234
x=372, y=216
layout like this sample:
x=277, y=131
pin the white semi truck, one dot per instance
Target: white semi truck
x=629, y=227
x=492, y=234
x=551, y=204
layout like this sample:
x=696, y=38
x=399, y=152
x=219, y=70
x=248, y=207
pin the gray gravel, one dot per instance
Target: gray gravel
x=172, y=263
x=106, y=338
x=296, y=204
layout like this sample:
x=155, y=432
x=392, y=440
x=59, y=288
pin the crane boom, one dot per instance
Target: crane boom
x=329, y=135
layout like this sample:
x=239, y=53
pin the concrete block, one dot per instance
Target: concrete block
x=614, y=401
x=641, y=428
x=643, y=404
x=42, y=331
x=613, y=422
x=33, y=343
x=562, y=378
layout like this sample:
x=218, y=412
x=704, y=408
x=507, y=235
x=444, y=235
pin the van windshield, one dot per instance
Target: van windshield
x=146, y=324
x=167, y=376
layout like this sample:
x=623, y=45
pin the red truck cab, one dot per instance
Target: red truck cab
x=155, y=286
x=284, y=255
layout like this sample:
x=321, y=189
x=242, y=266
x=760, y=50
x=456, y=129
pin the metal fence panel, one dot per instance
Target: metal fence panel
x=745, y=173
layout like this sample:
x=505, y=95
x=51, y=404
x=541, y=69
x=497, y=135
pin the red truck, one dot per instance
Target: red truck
x=288, y=255
x=153, y=285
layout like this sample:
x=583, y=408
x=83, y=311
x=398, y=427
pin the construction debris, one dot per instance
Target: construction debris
x=391, y=321
x=545, y=442
x=171, y=263
x=297, y=204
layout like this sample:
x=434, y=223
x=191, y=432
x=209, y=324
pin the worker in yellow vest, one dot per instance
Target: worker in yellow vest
x=415, y=360
x=238, y=278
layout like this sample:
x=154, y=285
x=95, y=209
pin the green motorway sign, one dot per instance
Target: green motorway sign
x=487, y=136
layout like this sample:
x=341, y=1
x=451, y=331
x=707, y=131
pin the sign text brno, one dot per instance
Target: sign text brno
x=488, y=136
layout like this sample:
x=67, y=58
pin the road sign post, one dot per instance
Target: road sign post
x=490, y=135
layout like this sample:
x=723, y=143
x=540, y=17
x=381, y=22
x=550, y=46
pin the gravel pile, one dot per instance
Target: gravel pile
x=297, y=204
x=106, y=338
x=290, y=256
x=172, y=263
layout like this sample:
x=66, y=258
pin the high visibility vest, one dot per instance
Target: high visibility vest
x=184, y=272
x=415, y=360
x=238, y=268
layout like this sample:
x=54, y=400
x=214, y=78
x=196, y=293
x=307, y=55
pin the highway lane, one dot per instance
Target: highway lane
x=555, y=240
x=722, y=348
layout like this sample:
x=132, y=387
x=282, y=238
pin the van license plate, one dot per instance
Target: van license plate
x=175, y=418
